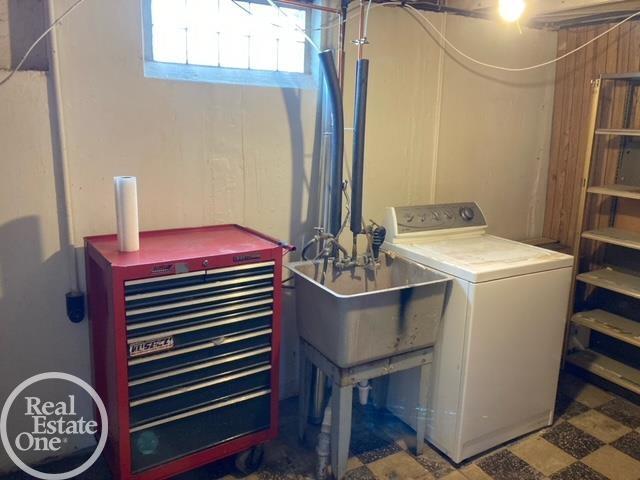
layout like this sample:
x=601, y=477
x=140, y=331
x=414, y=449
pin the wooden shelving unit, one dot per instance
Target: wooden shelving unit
x=600, y=340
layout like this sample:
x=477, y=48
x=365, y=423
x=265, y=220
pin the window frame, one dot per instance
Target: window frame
x=226, y=75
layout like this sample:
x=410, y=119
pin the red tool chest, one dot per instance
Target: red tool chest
x=185, y=340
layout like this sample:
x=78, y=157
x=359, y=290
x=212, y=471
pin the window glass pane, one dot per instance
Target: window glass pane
x=264, y=20
x=169, y=44
x=202, y=13
x=291, y=56
x=290, y=18
x=233, y=19
x=202, y=47
x=224, y=33
x=234, y=50
x=263, y=53
x=168, y=13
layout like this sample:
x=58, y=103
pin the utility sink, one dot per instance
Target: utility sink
x=355, y=315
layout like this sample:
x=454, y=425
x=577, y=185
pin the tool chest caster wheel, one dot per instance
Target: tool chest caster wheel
x=250, y=460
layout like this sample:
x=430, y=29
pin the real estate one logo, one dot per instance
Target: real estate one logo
x=51, y=424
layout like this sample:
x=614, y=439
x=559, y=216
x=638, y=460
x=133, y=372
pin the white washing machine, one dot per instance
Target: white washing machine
x=498, y=353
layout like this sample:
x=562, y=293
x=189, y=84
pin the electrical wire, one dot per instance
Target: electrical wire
x=510, y=69
x=38, y=40
x=344, y=20
x=295, y=26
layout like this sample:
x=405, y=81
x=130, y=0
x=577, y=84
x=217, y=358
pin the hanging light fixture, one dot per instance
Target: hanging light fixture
x=511, y=10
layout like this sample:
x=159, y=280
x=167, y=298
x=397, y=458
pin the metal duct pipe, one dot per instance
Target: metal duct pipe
x=357, y=172
x=337, y=140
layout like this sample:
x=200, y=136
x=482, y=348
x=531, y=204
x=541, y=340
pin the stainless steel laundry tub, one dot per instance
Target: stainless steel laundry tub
x=355, y=315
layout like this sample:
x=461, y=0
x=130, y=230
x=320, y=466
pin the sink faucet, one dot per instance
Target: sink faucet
x=330, y=248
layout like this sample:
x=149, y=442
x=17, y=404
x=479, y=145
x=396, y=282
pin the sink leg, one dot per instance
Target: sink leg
x=341, y=398
x=303, y=396
x=421, y=410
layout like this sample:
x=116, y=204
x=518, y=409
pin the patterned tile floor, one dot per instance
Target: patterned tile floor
x=596, y=436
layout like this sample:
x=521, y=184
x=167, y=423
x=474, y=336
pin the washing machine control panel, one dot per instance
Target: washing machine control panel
x=443, y=216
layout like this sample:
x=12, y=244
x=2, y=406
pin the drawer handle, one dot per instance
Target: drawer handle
x=247, y=266
x=200, y=326
x=195, y=288
x=198, y=386
x=199, y=366
x=202, y=346
x=190, y=413
x=190, y=303
x=195, y=316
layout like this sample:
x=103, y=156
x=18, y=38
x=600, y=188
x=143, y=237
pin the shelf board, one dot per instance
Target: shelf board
x=607, y=368
x=614, y=236
x=621, y=76
x=624, y=191
x=613, y=280
x=610, y=324
x=627, y=132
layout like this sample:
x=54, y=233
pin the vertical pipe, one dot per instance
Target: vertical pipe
x=361, y=38
x=357, y=173
x=337, y=141
x=56, y=102
x=341, y=40
x=318, y=392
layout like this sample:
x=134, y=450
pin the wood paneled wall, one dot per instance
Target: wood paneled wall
x=618, y=51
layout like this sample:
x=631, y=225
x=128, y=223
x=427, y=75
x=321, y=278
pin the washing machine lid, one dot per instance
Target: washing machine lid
x=481, y=257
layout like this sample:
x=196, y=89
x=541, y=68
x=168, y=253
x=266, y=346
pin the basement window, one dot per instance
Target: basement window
x=226, y=41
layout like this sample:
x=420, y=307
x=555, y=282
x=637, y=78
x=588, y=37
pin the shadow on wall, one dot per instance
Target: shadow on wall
x=34, y=335
x=301, y=223
x=299, y=227
x=302, y=226
x=26, y=24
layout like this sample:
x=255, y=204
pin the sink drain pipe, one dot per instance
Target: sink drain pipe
x=323, y=449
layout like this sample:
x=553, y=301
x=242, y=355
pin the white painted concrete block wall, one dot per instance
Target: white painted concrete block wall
x=35, y=336
x=209, y=154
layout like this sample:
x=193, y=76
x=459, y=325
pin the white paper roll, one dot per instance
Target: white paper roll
x=127, y=213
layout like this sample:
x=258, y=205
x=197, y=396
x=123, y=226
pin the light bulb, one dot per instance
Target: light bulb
x=511, y=10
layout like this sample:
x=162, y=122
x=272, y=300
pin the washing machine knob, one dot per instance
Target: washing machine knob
x=467, y=213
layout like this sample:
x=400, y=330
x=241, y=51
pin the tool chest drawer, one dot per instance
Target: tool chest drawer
x=214, y=332
x=212, y=368
x=164, y=440
x=159, y=298
x=171, y=402
x=201, y=352
x=196, y=281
